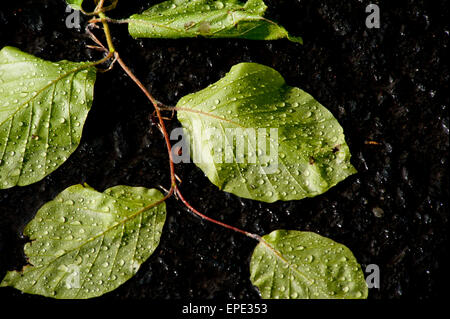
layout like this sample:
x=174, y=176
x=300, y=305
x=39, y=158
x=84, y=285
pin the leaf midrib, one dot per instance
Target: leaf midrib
x=140, y=19
x=279, y=255
x=128, y=218
x=38, y=92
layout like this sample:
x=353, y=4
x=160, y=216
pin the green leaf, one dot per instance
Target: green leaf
x=75, y=4
x=207, y=18
x=290, y=264
x=85, y=243
x=309, y=155
x=43, y=106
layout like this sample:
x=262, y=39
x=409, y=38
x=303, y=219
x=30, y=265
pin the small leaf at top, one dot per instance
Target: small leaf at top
x=75, y=4
x=43, y=107
x=291, y=147
x=290, y=264
x=208, y=18
x=85, y=243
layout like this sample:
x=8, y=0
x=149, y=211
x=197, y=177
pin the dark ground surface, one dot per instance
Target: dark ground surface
x=388, y=85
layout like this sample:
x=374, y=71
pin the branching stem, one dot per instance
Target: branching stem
x=173, y=178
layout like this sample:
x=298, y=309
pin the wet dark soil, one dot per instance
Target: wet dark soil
x=387, y=85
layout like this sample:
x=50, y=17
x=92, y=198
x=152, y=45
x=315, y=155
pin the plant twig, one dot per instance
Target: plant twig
x=107, y=19
x=158, y=114
x=203, y=216
x=107, y=33
x=99, y=8
x=174, y=190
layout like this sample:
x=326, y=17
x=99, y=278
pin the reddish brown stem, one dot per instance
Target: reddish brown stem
x=173, y=178
x=158, y=113
x=174, y=186
x=203, y=216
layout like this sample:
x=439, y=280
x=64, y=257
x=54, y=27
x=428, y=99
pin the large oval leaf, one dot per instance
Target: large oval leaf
x=303, y=265
x=86, y=243
x=208, y=18
x=43, y=107
x=308, y=152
